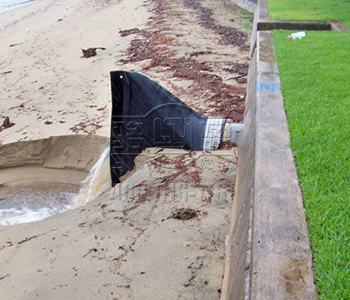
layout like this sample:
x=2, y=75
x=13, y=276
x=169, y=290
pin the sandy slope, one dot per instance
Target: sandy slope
x=43, y=78
x=126, y=244
x=48, y=77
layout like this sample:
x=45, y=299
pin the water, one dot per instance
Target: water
x=97, y=181
x=9, y=4
x=36, y=201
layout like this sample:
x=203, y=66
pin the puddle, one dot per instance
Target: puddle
x=35, y=201
x=42, y=178
x=34, y=194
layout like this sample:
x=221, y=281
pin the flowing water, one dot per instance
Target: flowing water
x=10, y=4
x=97, y=181
x=34, y=201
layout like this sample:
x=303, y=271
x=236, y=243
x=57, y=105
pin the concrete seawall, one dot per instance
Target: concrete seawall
x=269, y=254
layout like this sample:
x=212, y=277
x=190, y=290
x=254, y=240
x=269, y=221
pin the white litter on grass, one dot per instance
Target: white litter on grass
x=297, y=35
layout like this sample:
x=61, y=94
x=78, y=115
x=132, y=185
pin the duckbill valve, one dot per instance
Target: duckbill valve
x=144, y=115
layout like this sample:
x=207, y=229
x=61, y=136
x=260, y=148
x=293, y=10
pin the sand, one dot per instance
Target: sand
x=125, y=244
x=49, y=82
x=48, y=89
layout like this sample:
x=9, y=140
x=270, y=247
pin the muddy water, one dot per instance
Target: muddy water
x=33, y=194
x=35, y=201
x=97, y=181
x=10, y=4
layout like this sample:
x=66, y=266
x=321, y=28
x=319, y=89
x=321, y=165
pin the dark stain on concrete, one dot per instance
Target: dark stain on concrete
x=294, y=276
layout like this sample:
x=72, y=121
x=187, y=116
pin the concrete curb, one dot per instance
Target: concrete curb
x=336, y=26
x=316, y=26
x=269, y=255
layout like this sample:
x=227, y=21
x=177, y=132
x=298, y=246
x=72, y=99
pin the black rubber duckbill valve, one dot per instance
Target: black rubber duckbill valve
x=144, y=115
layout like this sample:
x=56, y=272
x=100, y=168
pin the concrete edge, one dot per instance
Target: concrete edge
x=315, y=26
x=281, y=260
x=254, y=34
x=261, y=15
x=336, y=26
x=269, y=254
x=236, y=283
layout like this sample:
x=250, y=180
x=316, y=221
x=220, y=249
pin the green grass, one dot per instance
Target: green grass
x=247, y=18
x=315, y=75
x=310, y=10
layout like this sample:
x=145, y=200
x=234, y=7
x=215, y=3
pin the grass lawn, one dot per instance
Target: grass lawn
x=310, y=10
x=248, y=19
x=315, y=74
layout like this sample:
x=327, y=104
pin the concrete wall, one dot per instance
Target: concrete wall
x=237, y=267
x=269, y=255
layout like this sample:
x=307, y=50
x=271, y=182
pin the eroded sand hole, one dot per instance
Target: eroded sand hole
x=41, y=178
